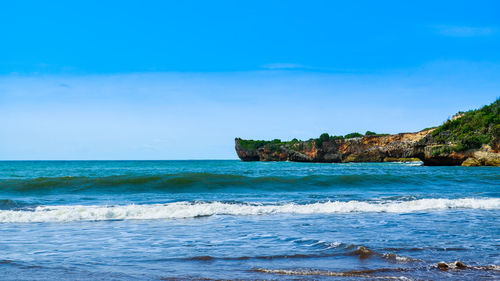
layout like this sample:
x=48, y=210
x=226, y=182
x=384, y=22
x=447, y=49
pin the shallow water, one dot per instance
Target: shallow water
x=162, y=220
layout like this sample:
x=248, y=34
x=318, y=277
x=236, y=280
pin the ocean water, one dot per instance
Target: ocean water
x=185, y=220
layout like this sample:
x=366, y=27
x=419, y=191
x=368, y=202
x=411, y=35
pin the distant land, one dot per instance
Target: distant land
x=469, y=138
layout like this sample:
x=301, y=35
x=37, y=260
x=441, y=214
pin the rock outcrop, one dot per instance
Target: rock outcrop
x=470, y=138
x=391, y=148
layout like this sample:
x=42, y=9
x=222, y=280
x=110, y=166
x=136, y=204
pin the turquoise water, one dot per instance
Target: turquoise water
x=162, y=220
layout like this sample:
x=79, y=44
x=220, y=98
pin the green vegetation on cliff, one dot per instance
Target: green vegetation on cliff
x=325, y=137
x=353, y=135
x=470, y=129
x=370, y=133
x=254, y=144
x=466, y=130
x=275, y=145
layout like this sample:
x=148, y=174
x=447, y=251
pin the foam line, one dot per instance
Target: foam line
x=179, y=210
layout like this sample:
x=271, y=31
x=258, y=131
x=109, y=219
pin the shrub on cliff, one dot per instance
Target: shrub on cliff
x=252, y=144
x=370, y=133
x=322, y=138
x=332, y=138
x=353, y=135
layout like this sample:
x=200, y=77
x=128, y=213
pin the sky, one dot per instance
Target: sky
x=181, y=79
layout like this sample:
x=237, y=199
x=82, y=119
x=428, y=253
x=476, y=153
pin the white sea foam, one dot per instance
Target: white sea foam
x=362, y=274
x=181, y=210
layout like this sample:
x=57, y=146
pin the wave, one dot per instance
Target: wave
x=180, y=210
x=340, y=250
x=272, y=257
x=189, y=182
x=375, y=273
x=7, y=204
x=368, y=273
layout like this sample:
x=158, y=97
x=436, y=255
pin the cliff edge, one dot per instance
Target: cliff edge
x=469, y=139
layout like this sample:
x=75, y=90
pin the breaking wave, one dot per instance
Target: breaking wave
x=180, y=210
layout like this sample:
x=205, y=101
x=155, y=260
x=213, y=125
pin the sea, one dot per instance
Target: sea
x=233, y=220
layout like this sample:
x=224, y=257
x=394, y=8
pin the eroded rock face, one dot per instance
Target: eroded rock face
x=398, y=147
x=471, y=162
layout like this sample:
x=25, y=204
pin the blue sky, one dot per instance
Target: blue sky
x=180, y=80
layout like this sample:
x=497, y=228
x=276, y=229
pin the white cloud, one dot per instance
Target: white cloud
x=464, y=31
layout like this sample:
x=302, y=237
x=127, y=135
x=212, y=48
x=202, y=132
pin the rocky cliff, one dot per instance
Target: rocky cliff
x=450, y=144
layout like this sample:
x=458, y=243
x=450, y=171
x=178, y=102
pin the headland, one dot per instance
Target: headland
x=469, y=138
